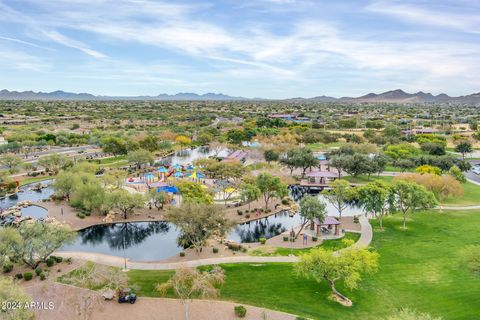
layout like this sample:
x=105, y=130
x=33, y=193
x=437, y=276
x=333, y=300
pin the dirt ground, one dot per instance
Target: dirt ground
x=73, y=303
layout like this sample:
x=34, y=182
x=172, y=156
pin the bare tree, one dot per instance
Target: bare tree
x=189, y=283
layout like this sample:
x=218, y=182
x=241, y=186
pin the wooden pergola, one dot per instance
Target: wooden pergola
x=329, y=222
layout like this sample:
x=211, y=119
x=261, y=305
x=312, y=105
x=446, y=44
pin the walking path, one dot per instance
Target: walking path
x=366, y=236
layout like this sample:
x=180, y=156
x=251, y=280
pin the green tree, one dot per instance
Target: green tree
x=190, y=283
x=410, y=197
x=305, y=159
x=149, y=143
x=140, y=157
x=428, y=169
x=464, y=147
x=270, y=187
x=65, y=184
x=11, y=293
x=198, y=222
x=53, y=163
x=340, y=162
x=11, y=162
x=115, y=146
x=270, y=155
x=41, y=239
x=194, y=192
x=376, y=197
x=125, y=201
x=339, y=194
x=457, y=174
x=401, y=151
x=159, y=199
x=249, y=192
x=347, y=265
x=311, y=208
x=11, y=244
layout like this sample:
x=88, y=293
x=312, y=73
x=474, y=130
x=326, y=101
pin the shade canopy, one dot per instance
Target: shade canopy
x=322, y=174
x=169, y=189
x=178, y=174
x=149, y=176
x=162, y=170
x=328, y=221
x=176, y=166
x=196, y=175
x=190, y=167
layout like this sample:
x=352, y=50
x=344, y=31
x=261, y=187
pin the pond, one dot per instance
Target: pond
x=26, y=193
x=187, y=156
x=153, y=241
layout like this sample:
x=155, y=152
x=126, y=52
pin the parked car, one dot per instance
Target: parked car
x=131, y=297
x=476, y=170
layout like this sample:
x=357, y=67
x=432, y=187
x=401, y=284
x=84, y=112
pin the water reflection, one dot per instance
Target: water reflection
x=140, y=241
x=26, y=193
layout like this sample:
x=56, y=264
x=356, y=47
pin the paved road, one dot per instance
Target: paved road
x=472, y=177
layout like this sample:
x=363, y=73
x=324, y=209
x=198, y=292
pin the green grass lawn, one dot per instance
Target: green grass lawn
x=471, y=194
x=35, y=179
x=335, y=244
x=366, y=179
x=324, y=146
x=419, y=269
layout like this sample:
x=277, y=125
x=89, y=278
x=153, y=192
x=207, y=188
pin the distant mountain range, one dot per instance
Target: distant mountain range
x=394, y=96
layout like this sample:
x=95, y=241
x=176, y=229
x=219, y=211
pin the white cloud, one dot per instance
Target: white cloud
x=63, y=40
x=460, y=21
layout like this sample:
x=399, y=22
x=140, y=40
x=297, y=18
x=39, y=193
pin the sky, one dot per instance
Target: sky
x=249, y=48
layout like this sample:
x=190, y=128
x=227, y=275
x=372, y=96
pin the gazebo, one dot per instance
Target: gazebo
x=322, y=177
x=328, y=222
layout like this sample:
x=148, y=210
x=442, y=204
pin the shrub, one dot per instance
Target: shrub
x=19, y=276
x=38, y=271
x=239, y=212
x=243, y=249
x=268, y=210
x=43, y=276
x=27, y=276
x=247, y=216
x=262, y=240
x=247, y=211
x=314, y=238
x=215, y=250
x=81, y=215
x=355, y=219
x=58, y=259
x=240, y=311
x=88, y=213
x=261, y=210
x=7, y=267
x=285, y=201
x=285, y=238
x=68, y=260
x=50, y=262
x=182, y=254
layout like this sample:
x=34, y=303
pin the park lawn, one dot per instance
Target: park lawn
x=334, y=244
x=324, y=146
x=366, y=179
x=419, y=269
x=471, y=196
x=35, y=179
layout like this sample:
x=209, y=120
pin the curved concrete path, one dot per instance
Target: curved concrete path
x=366, y=235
